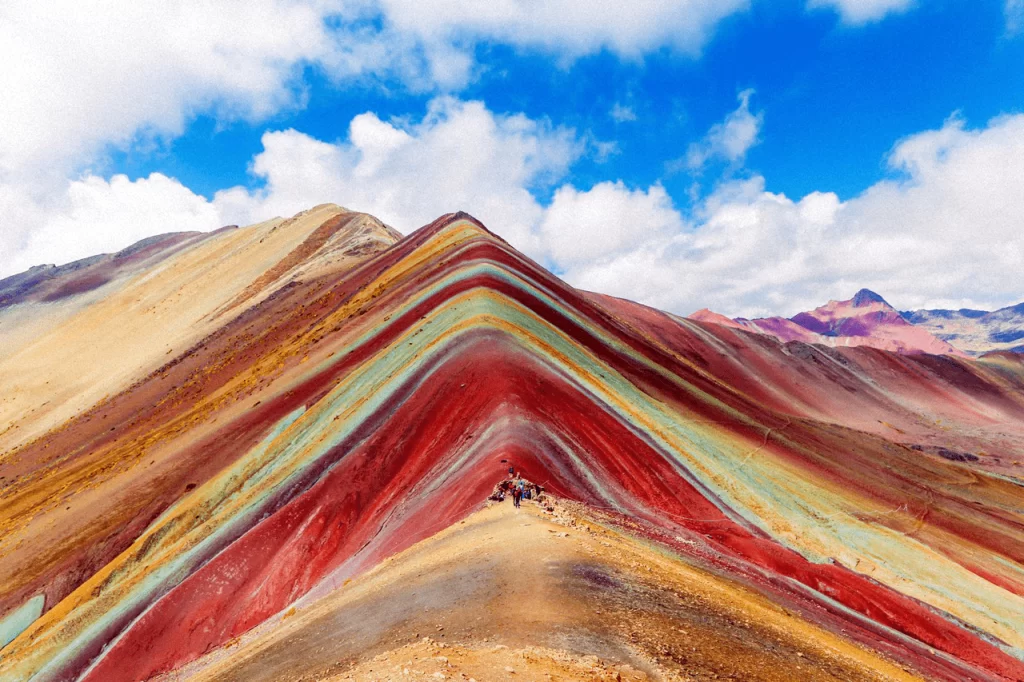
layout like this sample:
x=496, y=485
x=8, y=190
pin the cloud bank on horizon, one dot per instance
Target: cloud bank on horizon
x=635, y=186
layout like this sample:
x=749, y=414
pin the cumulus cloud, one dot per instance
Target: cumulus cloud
x=88, y=77
x=588, y=227
x=459, y=156
x=101, y=216
x=945, y=232
x=81, y=78
x=860, y=12
x=565, y=27
x=731, y=139
x=106, y=73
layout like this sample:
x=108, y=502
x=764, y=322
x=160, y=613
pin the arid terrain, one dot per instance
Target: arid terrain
x=266, y=453
x=528, y=594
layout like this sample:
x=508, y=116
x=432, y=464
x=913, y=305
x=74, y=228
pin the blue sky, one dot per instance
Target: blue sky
x=833, y=92
x=755, y=157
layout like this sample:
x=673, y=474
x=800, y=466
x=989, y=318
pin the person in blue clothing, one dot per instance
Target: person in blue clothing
x=518, y=486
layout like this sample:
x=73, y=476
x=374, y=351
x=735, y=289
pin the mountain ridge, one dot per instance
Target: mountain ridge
x=976, y=331
x=338, y=418
x=868, y=319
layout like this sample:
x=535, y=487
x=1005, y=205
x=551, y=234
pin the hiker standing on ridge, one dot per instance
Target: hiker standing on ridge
x=517, y=490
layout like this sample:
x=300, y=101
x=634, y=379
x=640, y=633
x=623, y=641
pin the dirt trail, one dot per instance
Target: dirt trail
x=531, y=595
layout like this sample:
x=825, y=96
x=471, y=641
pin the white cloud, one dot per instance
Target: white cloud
x=947, y=232
x=605, y=150
x=88, y=75
x=460, y=156
x=80, y=76
x=586, y=227
x=944, y=231
x=727, y=256
x=564, y=27
x=860, y=12
x=101, y=216
x=731, y=139
x=84, y=77
x=622, y=113
x=949, y=229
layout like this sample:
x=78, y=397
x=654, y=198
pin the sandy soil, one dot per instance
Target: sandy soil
x=536, y=595
x=61, y=358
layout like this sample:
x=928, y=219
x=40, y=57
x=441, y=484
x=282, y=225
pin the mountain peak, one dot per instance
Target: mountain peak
x=708, y=315
x=866, y=297
x=359, y=400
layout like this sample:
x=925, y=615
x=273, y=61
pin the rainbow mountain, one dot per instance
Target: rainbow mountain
x=266, y=453
x=867, y=319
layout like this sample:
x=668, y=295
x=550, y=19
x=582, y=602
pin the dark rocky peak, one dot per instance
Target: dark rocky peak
x=866, y=297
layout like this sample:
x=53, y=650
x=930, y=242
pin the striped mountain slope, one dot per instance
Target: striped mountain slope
x=351, y=394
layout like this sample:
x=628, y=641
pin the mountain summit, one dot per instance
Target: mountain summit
x=866, y=297
x=975, y=331
x=864, y=320
x=278, y=452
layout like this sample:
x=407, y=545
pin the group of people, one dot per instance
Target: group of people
x=519, y=491
x=520, y=488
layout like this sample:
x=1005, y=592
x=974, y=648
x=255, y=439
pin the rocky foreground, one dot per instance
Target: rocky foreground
x=512, y=594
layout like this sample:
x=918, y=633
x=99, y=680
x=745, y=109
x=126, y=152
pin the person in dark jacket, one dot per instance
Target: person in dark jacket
x=518, y=486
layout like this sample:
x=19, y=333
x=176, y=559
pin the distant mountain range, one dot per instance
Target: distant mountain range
x=868, y=320
x=974, y=331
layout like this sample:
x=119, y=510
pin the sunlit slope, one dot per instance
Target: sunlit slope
x=346, y=417
x=864, y=320
x=523, y=589
x=91, y=332
x=947, y=407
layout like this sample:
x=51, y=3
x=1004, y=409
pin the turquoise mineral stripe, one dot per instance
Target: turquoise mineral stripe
x=371, y=384
x=163, y=577
x=18, y=620
x=788, y=499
